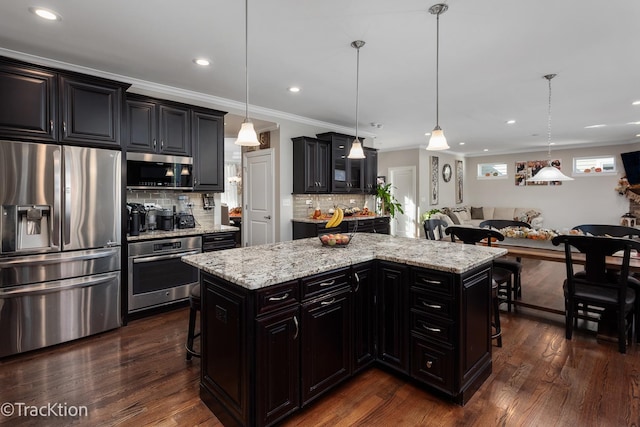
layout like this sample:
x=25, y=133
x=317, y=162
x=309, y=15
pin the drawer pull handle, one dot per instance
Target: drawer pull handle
x=328, y=302
x=428, y=328
x=429, y=364
x=283, y=297
x=431, y=282
x=331, y=283
x=295, y=322
x=436, y=306
x=357, y=282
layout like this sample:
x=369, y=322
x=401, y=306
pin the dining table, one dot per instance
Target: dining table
x=545, y=250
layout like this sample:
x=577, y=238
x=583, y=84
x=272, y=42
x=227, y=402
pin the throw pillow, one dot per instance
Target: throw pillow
x=477, y=213
x=454, y=218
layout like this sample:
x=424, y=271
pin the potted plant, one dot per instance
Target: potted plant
x=428, y=214
x=389, y=204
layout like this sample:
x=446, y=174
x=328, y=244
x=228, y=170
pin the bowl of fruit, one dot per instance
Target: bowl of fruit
x=336, y=240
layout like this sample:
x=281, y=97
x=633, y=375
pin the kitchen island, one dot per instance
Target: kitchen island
x=284, y=323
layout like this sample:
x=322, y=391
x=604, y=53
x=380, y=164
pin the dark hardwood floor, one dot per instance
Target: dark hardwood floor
x=137, y=375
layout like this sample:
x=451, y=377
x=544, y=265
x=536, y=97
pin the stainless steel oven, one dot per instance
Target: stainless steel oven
x=157, y=276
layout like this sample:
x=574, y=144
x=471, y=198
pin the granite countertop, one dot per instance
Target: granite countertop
x=257, y=267
x=346, y=218
x=183, y=232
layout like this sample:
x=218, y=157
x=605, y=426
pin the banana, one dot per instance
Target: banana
x=333, y=219
x=336, y=218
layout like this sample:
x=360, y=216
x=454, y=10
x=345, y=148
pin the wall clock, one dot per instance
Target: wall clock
x=446, y=172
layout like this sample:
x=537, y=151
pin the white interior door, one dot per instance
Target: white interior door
x=403, y=188
x=259, y=226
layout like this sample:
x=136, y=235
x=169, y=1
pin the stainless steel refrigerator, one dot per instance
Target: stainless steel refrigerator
x=60, y=244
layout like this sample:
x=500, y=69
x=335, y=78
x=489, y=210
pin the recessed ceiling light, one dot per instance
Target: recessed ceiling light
x=486, y=149
x=427, y=134
x=460, y=143
x=638, y=135
x=294, y=89
x=202, y=62
x=47, y=14
x=633, y=123
x=635, y=103
x=510, y=122
x=594, y=126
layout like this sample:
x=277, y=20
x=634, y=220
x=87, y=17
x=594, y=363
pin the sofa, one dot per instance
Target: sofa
x=473, y=216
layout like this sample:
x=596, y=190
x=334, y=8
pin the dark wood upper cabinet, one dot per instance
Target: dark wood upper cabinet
x=91, y=111
x=27, y=104
x=207, y=132
x=142, y=130
x=174, y=130
x=370, y=170
x=42, y=104
x=311, y=158
x=157, y=126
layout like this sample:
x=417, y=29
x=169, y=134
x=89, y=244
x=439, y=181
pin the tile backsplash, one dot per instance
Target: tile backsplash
x=168, y=199
x=326, y=201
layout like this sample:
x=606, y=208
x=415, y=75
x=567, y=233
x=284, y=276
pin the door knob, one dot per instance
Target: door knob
x=267, y=217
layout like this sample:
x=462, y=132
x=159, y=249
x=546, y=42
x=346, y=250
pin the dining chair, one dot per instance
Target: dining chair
x=608, y=230
x=596, y=287
x=513, y=265
x=501, y=276
x=499, y=224
x=434, y=228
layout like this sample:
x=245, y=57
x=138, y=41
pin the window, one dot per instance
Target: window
x=601, y=165
x=492, y=170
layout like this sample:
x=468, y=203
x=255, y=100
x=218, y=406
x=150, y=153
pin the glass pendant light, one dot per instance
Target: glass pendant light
x=549, y=172
x=247, y=136
x=356, y=151
x=437, y=140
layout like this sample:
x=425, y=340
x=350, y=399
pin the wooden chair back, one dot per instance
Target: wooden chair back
x=473, y=235
x=608, y=230
x=499, y=224
x=434, y=228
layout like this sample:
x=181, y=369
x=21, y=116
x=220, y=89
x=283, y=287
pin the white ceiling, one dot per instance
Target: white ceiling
x=493, y=55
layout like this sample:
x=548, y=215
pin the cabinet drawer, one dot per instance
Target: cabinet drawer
x=218, y=241
x=439, y=283
x=432, y=304
x=432, y=327
x=432, y=364
x=325, y=282
x=277, y=296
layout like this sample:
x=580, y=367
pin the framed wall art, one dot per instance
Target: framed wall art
x=459, y=181
x=433, y=184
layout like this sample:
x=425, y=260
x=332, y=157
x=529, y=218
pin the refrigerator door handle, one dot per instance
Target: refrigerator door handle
x=57, y=189
x=40, y=260
x=66, y=224
x=57, y=285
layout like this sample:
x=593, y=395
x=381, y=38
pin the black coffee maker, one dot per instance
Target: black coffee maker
x=137, y=220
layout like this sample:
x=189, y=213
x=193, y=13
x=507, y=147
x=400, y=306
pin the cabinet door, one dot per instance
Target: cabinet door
x=392, y=321
x=326, y=351
x=141, y=133
x=370, y=170
x=27, y=103
x=174, y=130
x=91, y=111
x=278, y=365
x=340, y=165
x=321, y=166
x=208, y=151
x=364, y=320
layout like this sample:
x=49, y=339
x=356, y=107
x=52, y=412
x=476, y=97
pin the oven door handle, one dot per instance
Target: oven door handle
x=163, y=257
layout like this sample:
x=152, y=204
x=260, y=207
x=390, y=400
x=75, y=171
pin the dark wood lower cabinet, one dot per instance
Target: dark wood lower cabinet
x=326, y=355
x=278, y=365
x=267, y=353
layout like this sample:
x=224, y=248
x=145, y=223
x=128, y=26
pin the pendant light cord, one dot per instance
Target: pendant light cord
x=357, y=88
x=246, y=58
x=549, y=77
x=438, y=70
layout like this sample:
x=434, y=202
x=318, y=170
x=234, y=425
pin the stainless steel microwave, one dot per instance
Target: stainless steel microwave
x=146, y=170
